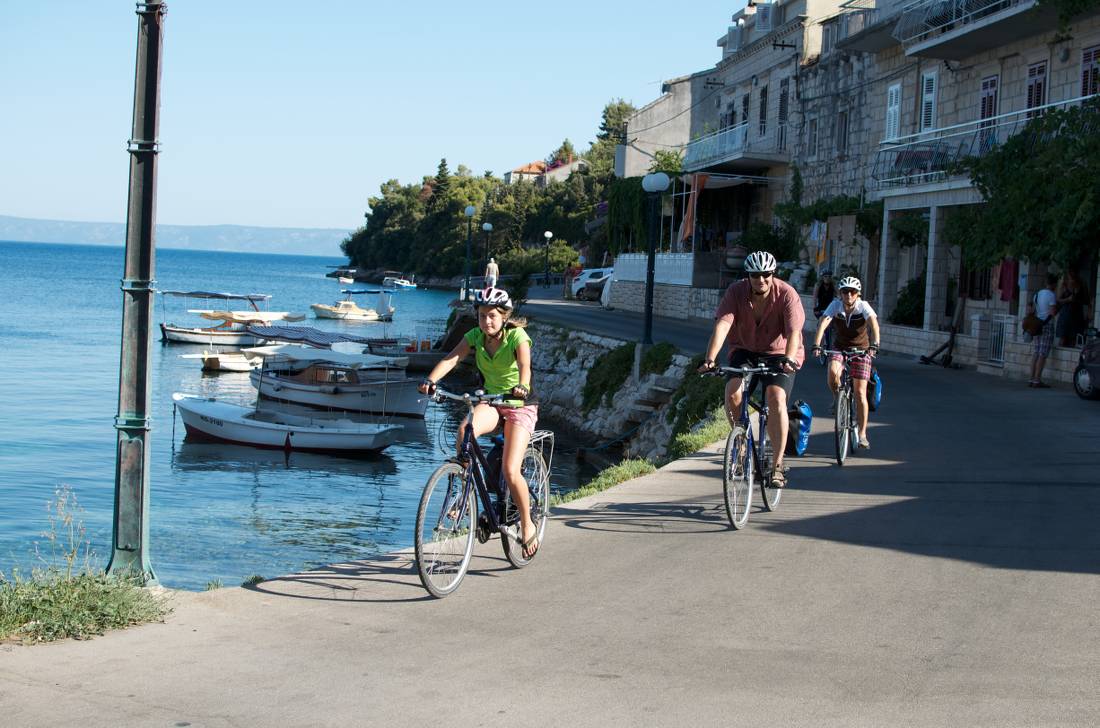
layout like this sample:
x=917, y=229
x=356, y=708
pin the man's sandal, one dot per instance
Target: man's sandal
x=779, y=479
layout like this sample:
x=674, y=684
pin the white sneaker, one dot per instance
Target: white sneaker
x=864, y=443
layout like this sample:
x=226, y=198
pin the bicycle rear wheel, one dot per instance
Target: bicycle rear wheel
x=537, y=476
x=842, y=426
x=737, y=469
x=768, y=492
x=445, y=530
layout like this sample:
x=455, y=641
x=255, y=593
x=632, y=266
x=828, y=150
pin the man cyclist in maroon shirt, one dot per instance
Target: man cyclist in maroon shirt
x=760, y=320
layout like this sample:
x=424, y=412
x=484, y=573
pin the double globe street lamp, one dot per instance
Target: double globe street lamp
x=654, y=184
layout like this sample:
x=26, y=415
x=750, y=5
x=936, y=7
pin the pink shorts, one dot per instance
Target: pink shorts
x=525, y=416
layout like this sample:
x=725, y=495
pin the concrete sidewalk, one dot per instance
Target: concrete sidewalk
x=951, y=579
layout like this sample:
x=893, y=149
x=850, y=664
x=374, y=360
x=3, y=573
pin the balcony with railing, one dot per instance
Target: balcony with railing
x=738, y=148
x=933, y=155
x=869, y=25
x=956, y=29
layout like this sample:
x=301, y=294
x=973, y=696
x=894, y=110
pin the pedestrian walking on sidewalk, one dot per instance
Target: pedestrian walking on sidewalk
x=760, y=320
x=1046, y=306
x=492, y=272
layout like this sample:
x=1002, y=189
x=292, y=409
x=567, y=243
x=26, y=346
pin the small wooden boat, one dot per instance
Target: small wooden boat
x=207, y=418
x=348, y=310
x=231, y=331
x=396, y=281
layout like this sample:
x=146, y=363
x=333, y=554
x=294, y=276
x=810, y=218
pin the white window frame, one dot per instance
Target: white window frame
x=893, y=111
x=927, y=101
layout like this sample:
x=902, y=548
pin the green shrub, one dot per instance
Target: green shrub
x=715, y=427
x=694, y=399
x=909, y=310
x=626, y=470
x=252, y=580
x=657, y=358
x=607, y=375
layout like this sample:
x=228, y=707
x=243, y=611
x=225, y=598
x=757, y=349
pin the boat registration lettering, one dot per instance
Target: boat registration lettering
x=212, y=421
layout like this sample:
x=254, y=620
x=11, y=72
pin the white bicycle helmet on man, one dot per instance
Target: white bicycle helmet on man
x=760, y=262
x=850, y=282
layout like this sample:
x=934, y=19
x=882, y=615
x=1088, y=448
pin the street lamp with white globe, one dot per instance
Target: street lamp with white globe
x=470, y=211
x=654, y=184
x=488, y=228
x=546, y=273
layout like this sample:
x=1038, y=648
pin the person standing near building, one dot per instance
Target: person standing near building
x=1046, y=305
x=824, y=294
x=492, y=272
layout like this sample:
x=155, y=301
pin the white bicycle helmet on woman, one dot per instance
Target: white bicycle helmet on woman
x=497, y=297
x=850, y=282
x=760, y=262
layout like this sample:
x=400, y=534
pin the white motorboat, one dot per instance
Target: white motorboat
x=231, y=329
x=396, y=281
x=207, y=418
x=348, y=310
x=225, y=361
x=335, y=380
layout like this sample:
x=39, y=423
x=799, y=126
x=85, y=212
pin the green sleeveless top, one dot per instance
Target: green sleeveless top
x=501, y=372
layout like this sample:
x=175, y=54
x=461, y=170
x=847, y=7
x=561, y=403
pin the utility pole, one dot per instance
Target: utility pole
x=130, y=546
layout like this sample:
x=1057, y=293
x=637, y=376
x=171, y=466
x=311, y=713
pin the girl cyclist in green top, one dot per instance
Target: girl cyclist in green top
x=502, y=350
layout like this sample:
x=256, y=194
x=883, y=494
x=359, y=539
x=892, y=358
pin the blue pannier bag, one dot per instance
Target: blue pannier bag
x=800, y=418
x=874, y=391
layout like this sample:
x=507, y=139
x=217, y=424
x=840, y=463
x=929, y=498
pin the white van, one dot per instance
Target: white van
x=577, y=285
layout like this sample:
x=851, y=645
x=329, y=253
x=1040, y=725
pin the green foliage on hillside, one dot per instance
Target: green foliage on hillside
x=420, y=227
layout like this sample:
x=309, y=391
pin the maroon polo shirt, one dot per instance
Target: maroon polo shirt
x=783, y=315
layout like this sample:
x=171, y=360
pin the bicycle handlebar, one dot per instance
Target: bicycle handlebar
x=759, y=369
x=472, y=398
x=848, y=353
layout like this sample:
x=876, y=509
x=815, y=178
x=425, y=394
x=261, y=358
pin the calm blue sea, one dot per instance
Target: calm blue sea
x=217, y=512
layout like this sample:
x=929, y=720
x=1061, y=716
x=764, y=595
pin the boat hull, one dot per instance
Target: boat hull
x=393, y=397
x=209, y=419
x=208, y=336
x=320, y=310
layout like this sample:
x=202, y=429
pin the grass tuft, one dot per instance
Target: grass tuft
x=252, y=580
x=67, y=597
x=626, y=470
x=715, y=427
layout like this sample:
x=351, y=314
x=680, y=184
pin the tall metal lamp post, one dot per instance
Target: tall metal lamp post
x=488, y=228
x=546, y=272
x=469, y=212
x=130, y=545
x=654, y=184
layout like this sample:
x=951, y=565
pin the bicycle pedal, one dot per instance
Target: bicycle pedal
x=482, y=529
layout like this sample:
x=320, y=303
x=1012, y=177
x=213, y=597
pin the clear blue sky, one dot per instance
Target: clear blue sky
x=292, y=113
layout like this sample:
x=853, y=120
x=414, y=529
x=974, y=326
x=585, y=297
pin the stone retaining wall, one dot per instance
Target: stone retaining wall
x=561, y=360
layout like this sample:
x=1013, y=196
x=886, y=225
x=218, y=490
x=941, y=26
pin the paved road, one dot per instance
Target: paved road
x=547, y=304
x=951, y=579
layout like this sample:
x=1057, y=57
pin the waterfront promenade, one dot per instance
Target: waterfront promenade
x=950, y=578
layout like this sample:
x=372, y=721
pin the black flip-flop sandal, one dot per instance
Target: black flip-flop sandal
x=526, y=545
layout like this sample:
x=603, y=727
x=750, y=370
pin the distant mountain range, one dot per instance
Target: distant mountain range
x=237, y=238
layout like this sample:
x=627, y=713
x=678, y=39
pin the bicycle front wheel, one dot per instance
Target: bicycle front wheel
x=843, y=431
x=537, y=476
x=445, y=530
x=737, y=477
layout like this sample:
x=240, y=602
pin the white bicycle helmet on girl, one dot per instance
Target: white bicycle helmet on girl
x=760, y=262
x=497, y=297
x=850, y=282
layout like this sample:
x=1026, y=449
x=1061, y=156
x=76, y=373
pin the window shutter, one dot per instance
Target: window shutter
x=1090, y=71
x=764, y=17
x=988, y=107
x=763, y=111
x=928, y=101
x=893, y=111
